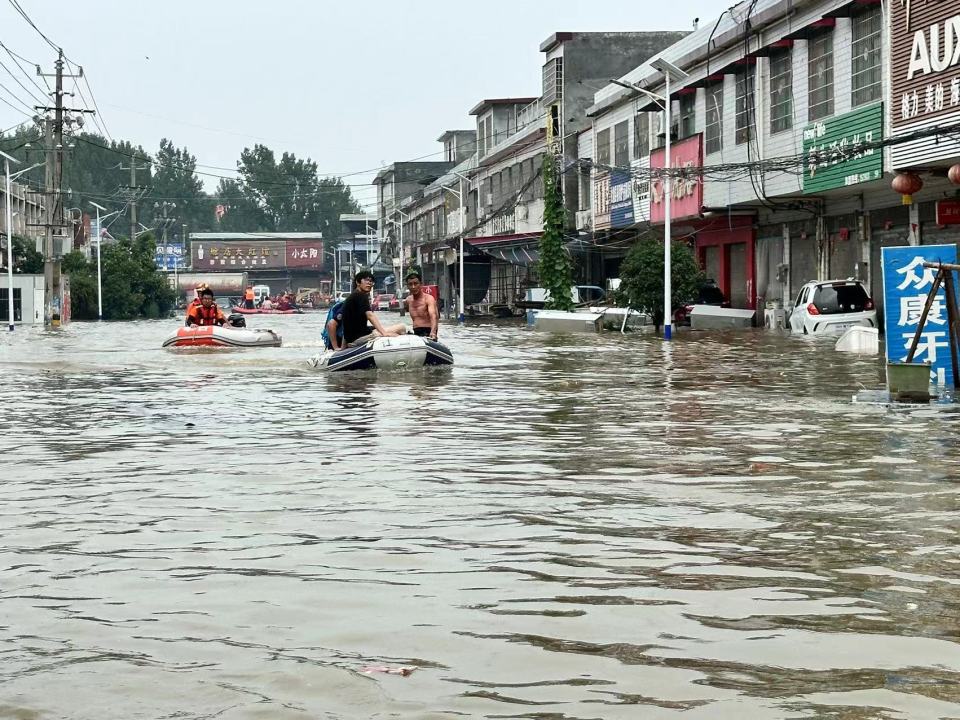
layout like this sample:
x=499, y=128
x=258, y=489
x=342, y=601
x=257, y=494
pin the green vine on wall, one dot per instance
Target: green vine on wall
x=555, y=266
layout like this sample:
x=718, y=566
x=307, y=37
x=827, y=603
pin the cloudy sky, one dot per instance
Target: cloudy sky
x=353, y=85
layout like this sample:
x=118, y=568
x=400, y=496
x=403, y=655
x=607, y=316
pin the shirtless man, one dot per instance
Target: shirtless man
x=422, y=307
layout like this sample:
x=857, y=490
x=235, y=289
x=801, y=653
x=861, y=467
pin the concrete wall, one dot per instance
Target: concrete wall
x=28, y=300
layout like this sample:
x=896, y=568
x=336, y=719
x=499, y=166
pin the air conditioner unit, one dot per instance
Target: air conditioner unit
x=521, y=213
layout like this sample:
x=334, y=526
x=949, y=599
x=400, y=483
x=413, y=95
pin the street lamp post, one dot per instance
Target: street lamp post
x=99, y=252
x=669, y=71
x=9, y=225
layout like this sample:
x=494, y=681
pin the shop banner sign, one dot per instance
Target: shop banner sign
x=168, y=257
x=304, y=254
x=906, y=284
x=686, y=199
x=601, y=199
x=948, y=212
x=837, y=150
x=641, y=189
x=621, y=199
x=236, y=256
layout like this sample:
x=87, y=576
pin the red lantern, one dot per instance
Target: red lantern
x=954, y=174
x=907, y=184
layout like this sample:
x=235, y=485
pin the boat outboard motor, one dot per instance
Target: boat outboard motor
x=236, y=320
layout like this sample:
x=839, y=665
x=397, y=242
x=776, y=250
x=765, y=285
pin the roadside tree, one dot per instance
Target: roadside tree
x=641, y=277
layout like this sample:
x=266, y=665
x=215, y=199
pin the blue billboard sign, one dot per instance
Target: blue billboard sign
x=621, y=199
x=906, y=284
x=169, y=256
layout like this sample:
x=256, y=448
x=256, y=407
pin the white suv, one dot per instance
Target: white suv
x=832, y=307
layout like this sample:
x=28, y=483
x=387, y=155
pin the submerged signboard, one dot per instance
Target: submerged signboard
x=906, y=284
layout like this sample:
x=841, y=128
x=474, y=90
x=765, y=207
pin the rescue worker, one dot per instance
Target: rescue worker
x=196, y=301
x=206, y=313
x=248, y=298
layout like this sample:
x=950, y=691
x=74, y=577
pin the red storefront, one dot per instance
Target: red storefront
x=725, y=244
x=725, y=248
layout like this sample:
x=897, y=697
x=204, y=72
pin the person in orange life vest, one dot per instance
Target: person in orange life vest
x=207, y=312
x=196, y=301
x=248, y=298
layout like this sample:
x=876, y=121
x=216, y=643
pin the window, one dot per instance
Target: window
x=866, y=57
x=487, y=134
x=688, y=114
x=553, y=81
x=781, y=92
x=641, y=136
x=17, y=305
x=714, y=129
x=603, y=147
x=745, y=107
x=820, y=75
x=621, y=147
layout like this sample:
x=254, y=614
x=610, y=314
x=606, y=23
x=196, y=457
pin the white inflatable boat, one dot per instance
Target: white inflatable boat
x=226, y=336
x=388, y=353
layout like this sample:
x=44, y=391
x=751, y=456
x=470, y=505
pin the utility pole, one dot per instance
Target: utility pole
x=133, y=191
x=53, y=224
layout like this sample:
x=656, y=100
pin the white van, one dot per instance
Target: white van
x=259, y=293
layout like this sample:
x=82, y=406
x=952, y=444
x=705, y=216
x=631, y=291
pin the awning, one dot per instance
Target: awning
x=518, y=249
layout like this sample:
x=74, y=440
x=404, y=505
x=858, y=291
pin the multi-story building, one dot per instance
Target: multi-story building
x=357, y=247
x=27, y=211
x=785, y=108
x=400, y=180
x=502, y=216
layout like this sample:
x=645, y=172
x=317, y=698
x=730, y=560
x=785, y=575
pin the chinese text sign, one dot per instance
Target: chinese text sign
x=906, y=284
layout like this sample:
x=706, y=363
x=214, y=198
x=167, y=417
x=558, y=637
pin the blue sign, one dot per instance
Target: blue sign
x=621, y=199
x=906, y=284
x=169, y=257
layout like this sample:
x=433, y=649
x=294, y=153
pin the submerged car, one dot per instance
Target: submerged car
x=708, y=294
x=832, y=307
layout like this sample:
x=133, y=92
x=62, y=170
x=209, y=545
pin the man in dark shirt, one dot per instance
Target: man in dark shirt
x=357, y=313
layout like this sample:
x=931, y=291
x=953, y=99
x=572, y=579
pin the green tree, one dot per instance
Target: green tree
x=175, y=181
x=26, y=259
x=641, y=277
x=132, y=285
x=555, y=266
x=284, y=195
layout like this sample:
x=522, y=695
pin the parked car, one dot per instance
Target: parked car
x=832, y=307
x=708, y=294
x=386, y=302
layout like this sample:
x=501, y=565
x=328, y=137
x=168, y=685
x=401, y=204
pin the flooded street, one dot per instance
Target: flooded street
x=557, y=527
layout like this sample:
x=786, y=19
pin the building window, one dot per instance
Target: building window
x=552, y=81
x=745, y=107
x=641, y=136
x=820, y=75
x=713, y=140
x=603, y=147
x=866, y=57
x=781, y=92
x=688, y=114
x=621, y=144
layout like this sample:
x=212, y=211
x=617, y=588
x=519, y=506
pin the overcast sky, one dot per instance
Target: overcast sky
x=354, y=85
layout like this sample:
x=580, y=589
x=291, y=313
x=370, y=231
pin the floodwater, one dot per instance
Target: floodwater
x=556, y=527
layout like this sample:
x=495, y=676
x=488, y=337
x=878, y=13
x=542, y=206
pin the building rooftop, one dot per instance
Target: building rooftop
x=257, y=236
x=710, y=37
x=490, y=102
x=353, y=217
x=453, y=133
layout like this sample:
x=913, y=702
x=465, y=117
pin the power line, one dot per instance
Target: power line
x=16, y=59
x=23, y=14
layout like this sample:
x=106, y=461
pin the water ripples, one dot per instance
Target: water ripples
x=555, y=528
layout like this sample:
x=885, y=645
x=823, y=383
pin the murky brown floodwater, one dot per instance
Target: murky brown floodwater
x=555, y=528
